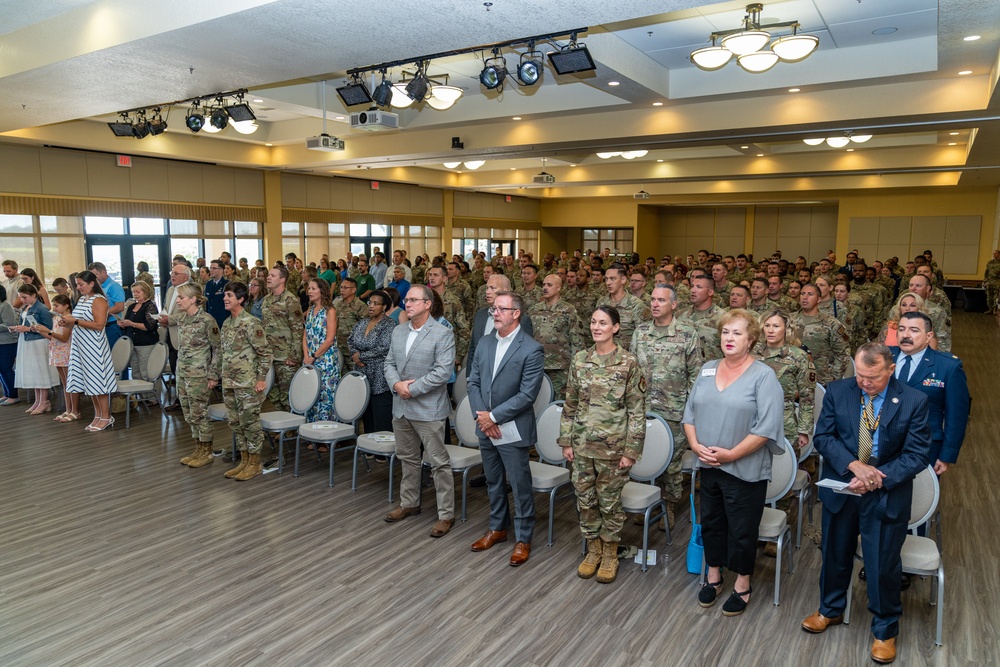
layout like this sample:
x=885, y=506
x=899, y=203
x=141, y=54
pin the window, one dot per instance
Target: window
x=108, y=226
x=52, y=246
x=619, y=240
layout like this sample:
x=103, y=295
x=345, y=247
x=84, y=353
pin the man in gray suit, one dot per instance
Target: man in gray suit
x=503, y=384
x=419, y=364
x=179, y=274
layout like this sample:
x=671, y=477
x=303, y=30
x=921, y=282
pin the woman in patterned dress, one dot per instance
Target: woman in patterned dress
x=318, y=340
x=369, y=344
x=90, y=369
x=58, y=337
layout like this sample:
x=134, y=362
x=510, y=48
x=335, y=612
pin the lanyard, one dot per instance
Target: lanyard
x=864, y=415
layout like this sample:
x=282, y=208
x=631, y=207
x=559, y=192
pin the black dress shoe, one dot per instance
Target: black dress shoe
x=904, y=582
x=478, y=481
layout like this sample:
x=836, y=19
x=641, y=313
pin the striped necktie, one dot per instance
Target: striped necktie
x=865, y=433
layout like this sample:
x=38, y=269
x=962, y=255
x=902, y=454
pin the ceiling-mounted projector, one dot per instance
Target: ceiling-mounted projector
x=641, y=194
x=374, y=121
x=325, y=142
x=543, y=177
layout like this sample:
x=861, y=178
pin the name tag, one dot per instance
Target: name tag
x=708, y=372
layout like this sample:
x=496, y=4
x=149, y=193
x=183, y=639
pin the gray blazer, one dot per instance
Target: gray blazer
x=171, y=320
x=430, y=363
x=510, y=396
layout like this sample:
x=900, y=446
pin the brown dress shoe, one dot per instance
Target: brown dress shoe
x=441, y=527
x=489, y=539
x=400, y=513
x=817, y=623
x=884, y=650
x=520, y=555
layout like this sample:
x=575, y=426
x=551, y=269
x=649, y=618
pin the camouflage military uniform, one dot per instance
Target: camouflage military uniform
x=826, y=340
x=461, y=290
x=797, y=377
x=419, y=274
x=737, y=277
x=786, y=303
x=348, y=314
x=670, y=357
x=244, y=359
x=282, y=319
x=873, y=306
x=723, y=293
x=942, y=325
x=631, y=311
x=706, y=323
x=198, y=340
x=991, y=281
x=683, y=294
x=558, y=329
x=481, y=297
x=294, y=281
x=582, y=300
x=940, y=298
x=530, y=296
x=603, y=420
x=454, y=312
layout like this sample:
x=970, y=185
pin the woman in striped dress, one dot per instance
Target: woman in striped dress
x=90, y=369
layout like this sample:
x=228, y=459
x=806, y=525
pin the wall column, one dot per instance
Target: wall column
x=448, y=213
x=272, y=217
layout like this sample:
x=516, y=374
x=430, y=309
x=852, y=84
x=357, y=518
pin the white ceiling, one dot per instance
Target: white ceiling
x=104, y=56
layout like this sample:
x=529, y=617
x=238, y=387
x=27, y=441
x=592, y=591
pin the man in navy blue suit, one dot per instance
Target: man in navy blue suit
x=940, y=376
x=874, y=436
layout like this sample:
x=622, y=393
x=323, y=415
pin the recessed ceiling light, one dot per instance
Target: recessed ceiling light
x=952, y=143
x=954, y=134
x=965, y=72
x=339, y=118
x=513, y=168
x=850, y=150
x=257, y=100
x=268, y=144
x=884, y=31
x=657, y=104
x=614, y=83
x=516, y=118
x=659, y=160
x=572, y=165
x=794, y=90
x=971, y=38
x=760, y=155
x=744, y=147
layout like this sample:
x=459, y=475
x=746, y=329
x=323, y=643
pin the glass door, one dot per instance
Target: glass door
x=121, y=254
x=369, y=246
x=501, y=247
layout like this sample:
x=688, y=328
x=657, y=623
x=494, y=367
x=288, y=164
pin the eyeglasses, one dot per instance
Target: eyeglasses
x=493, y=310
x=413, y=300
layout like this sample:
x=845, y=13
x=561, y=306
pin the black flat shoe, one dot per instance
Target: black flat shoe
x=709, y=593
x=735, y=604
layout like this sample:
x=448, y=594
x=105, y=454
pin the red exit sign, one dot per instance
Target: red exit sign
x=124, y=160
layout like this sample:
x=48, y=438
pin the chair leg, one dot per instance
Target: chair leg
x=940, y=605
x=354, y=472
x=777, y=569
x=332, y=446
x=128, y=411
x=798, y=535
x=465, y=489
x=295, y=469
x=281, y=454
x=645, y=539
x=552, y=508
x=663, y=513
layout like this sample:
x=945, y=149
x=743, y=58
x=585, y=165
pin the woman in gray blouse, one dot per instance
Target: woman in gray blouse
x=734, y=423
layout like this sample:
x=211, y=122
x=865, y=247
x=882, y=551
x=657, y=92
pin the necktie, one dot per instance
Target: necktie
x=865, y=432
x=904, y=371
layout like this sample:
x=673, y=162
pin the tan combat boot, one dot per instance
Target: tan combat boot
x=204, y=456
x=671, y=518
x=588, y=568
x=192, y=456
x=244, y=459
x=609, y=564
x=251, y=470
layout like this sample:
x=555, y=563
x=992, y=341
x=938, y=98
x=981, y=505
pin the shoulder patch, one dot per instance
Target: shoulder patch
x=642, y=384
x=812, y=377
x=260, y=333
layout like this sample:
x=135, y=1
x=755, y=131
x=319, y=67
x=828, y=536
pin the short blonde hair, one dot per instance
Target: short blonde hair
x=145, y=288
x=791, y=337
x=753, y=326
x=192, y=290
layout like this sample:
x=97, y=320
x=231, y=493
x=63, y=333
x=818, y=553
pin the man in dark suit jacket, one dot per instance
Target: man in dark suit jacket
x=941, y=378
x=482, y=323
x=882, y=486
x=503, y=384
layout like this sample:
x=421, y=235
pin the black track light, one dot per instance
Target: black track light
x=382, y=95
x=355, y=92
x=122, y=128
x=416, y=89
x=220, y=118
x=494, y=71
x=529, y=69
x=572, y=58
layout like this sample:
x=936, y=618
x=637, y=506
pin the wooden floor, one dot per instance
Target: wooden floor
x=113, y=554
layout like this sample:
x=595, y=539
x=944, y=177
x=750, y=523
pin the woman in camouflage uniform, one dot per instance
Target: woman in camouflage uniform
x=602, y=431
x=850, y=315
x=241, y=367
x=796, y=374
x=198, y=336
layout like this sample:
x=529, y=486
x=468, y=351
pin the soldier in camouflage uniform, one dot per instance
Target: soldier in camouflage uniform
x=455, y=285
x=796, y=374
x=241, y=367
x=850, y=315
x=777, y=297
x=454, y=312
x=557, y=327
x=631, y=310
x=668, y=352
x=704, y=316
x=281, y=316
x=991, y=282
x=723, y=286
x=350, y=309
x=637, y=284
x=578, y=293
x=198, y=340
x=823, y=336
x=602, y=431
x=294, y=280
x=529, y=289
x=937, y=295
x=920, y=285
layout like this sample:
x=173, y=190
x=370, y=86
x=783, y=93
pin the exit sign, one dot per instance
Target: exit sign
x=124, y=160
x=374, y=185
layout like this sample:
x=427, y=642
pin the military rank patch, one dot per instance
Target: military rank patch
x=642, y=384
x=260, y=333
x=812, y=378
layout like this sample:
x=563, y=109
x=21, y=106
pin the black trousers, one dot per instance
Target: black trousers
x=378, y=414
x=730, y=519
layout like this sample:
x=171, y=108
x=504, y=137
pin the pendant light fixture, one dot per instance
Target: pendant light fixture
x=752, y=45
